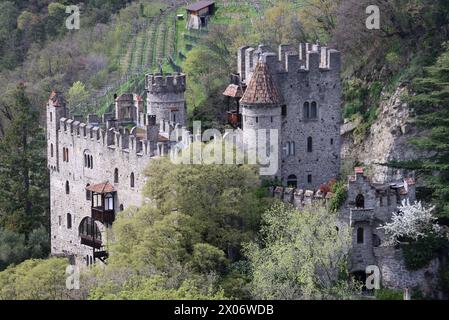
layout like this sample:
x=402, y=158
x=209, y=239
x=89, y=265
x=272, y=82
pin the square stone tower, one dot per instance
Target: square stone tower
x=303, y=87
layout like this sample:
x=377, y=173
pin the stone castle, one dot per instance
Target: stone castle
x=96, y=167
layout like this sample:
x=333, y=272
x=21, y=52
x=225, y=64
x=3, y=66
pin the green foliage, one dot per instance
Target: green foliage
x=154, y=288
x=430, y=105
x=23, y=174
x=300, y=256
x=418, y=254
x=35, y=280
x=388, y=294
x=219, y=199
x=207, y=258
x=77, y=95
x=340, y=193
x=444, y=277
x=12, y=248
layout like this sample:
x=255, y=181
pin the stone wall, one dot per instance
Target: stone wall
x=306, y=74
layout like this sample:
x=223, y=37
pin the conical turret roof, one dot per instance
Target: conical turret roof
x=261, y=88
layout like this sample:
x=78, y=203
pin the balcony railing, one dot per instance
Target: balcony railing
x=103, y=216
x=91, y=241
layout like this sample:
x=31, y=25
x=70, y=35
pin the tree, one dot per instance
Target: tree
x=221, y=200
x=412, y=221
x=432, y=116
x=301, y=255
x=35, y=280
x=280, y=25
x=77, y=96
x=12, y=248
x=23, y=174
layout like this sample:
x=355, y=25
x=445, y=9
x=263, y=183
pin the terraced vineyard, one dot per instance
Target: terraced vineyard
x=163, y=40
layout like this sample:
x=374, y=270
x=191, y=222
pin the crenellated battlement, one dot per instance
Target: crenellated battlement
x=165, y=83
x=300, y=198
x=304, y=58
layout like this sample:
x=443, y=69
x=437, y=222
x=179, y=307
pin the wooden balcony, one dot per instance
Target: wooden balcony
x=91, y=242
x=103, y=216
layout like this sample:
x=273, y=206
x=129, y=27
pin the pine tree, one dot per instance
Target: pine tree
x=431, y=105
x=23, y=174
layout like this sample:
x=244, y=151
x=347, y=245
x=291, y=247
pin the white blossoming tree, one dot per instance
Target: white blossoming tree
x=412, y=221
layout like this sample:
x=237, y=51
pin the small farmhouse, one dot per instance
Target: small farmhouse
x=198, y=14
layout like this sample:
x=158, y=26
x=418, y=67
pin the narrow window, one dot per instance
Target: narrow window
x=314, y=111
x=91, y=162
x=132, y=180
x=284, y=110
x=116, y=175
x=109, y=202
x=360, y=201
x=271, y=119
x=309, y=178
x=88, y=193
x=67, y=155
x=287, y=149
x=360, y=236
x=306, y=110
x=51, y=116
x=69, y=221
x=332, y=142
x=51, y=150
x=63, y=154
x=309, y=144
x=85, y=160
x=257, y=119
x=122, y=207
x=60, y=220
x=67, y=187
x=292, y=148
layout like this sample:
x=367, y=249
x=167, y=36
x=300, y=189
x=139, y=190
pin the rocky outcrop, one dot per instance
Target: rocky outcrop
x=386, y=140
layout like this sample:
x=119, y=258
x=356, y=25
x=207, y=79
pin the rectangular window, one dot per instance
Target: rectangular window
x=284, y=110
x=309, y=178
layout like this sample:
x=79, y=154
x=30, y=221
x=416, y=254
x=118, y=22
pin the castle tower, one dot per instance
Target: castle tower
x=165, y=97
x=261, y=110
x=56, y=109
x=307, y=77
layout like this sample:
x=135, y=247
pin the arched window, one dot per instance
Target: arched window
x=89, y=228
x=132, y=180
x=292, y=181
x=309, y=144
x=313, y=111
x=67, y=187
x=360, y=201
x=69, y=221
x=51, y=150
x=88, y=193
x=306, y=110
x=360, y=235
x=116, y=175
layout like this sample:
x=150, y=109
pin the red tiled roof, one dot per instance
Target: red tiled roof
x=261, y=88
x=359, y=170
x=101, y=188
x=57, y=98
x=233, y=91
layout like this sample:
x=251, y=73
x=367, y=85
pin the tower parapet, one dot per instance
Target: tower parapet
x=165, y=97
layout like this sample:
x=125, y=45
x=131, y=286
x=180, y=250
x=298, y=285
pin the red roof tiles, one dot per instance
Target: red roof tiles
x=261, y=88
x=233, y=91
x=101, y=188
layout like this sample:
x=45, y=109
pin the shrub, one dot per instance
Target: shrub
x=388, y=294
